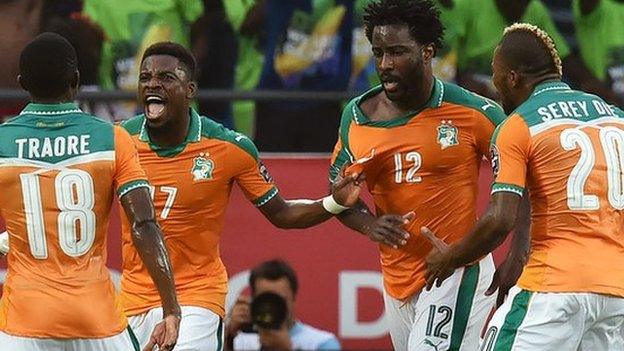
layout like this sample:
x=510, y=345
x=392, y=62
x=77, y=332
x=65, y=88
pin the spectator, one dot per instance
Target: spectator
x=20, y=22
x=479, y=25
x=308, y=48
x=601, y=41
x=278, y=277
x=131, y=26
x=214, y=47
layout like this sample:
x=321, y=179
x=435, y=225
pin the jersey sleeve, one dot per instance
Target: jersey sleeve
x=128, y=172
x=342, y=154
x=489, y=116
x=510, y=155
x=251, y=174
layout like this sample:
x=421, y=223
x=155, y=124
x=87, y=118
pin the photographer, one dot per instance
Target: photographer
x=273, y=287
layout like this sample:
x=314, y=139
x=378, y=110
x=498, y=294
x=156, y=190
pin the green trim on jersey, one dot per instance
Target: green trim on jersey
x=220, y=335
x=262, y=200
x=435, y=100
x=510, y=188
x=131, y=185
x=457, y=95
x=133, y=339
x=514, y=318
x=349, y=114
x=57, y=129
x=214, y=130
x=463, y=305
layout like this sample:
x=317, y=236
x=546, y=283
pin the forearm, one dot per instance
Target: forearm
x=151, y=248
x=300, y=214
x=358, y=218
x=521, y=243
x=488, y=234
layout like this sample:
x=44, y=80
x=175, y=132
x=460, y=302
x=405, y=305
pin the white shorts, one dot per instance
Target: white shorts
x=200, y=328
x=122, y=341
x=450, y=317
x=556, y=321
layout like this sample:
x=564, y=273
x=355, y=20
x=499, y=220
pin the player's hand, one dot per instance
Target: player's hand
x=389, y=230
x=239, y=315
x=275, y=339
x=505, y=278
x=439, y=265
x=165, y=334
x=346, y=187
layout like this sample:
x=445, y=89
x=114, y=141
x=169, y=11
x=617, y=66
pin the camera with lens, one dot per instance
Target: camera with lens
x=268, y=311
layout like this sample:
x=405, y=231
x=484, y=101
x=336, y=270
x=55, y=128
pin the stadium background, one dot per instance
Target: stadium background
x=338, y=269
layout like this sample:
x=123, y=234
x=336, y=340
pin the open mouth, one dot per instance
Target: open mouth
x=154, y=106
x=391, y=85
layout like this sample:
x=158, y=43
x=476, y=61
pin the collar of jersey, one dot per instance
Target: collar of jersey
x=193, y=135
x=435, y=100
x=50, y=109
x=549, y=85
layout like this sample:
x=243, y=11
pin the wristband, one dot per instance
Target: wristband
x=4, y=243
x=330, y=205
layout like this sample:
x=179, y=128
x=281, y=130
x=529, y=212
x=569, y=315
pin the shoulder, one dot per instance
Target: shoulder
x=488, y=108
x=133, y=125
x=214, y=130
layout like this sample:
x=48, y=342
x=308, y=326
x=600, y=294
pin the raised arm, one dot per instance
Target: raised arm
x=148, y=240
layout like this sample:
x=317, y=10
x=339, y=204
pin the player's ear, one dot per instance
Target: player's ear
x=20, y=81
x=428, y=53
x=191, y=90
x=513, y=78
x=76, y=80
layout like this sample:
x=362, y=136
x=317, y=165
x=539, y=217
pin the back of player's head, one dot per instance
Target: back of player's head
x=176, y=50
x=529, y=50
x=421, y=16
x=48, y=66
x=274, y=270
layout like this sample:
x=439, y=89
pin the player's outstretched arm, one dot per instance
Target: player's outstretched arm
x=148, y=240
x=306, y=213
x=489, y=232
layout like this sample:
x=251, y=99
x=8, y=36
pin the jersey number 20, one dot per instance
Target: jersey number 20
x=75, y=199
x=612, y=141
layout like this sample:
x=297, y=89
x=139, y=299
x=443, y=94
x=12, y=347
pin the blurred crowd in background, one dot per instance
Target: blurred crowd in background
x=298, y=45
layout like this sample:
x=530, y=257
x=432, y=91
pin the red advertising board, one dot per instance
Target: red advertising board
x=338, y=269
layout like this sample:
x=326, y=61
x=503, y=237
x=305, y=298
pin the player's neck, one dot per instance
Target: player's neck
x=171, y=134
x=417, y=100
x=50, y=101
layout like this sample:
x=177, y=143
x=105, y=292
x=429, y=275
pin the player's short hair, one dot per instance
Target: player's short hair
x=48, y=66
x=421, y=16
x=176, y=50
x=529, y=49
x=274, y=270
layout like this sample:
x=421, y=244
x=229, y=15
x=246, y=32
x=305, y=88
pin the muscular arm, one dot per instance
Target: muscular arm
x=490, y=231
x=288, y=214
x=520, y=244
x=148, y=240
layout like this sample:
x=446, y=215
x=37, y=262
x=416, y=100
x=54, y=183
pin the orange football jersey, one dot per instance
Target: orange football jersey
x=59, y=170
x=567, y=148
x=191, y=188
x=426, y=161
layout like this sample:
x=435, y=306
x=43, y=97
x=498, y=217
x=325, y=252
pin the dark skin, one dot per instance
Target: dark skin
x=148, y=240
x=490, y=231
x=166, y=77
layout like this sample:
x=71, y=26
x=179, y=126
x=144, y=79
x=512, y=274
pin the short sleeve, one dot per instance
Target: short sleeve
x=128, y=172
x=509, y=154
x=251, y=174
x=489, y=115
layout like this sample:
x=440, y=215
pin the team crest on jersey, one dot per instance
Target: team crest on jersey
x=495, y=159
x=202, y=167
x=447, y=134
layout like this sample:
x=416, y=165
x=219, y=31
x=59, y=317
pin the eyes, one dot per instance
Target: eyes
x=392, y=51
x=165, y=77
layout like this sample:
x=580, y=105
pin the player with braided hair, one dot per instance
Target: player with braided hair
x=567, y=148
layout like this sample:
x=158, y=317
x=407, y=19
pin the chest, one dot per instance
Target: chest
x=197, y=177
x=435, y=145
